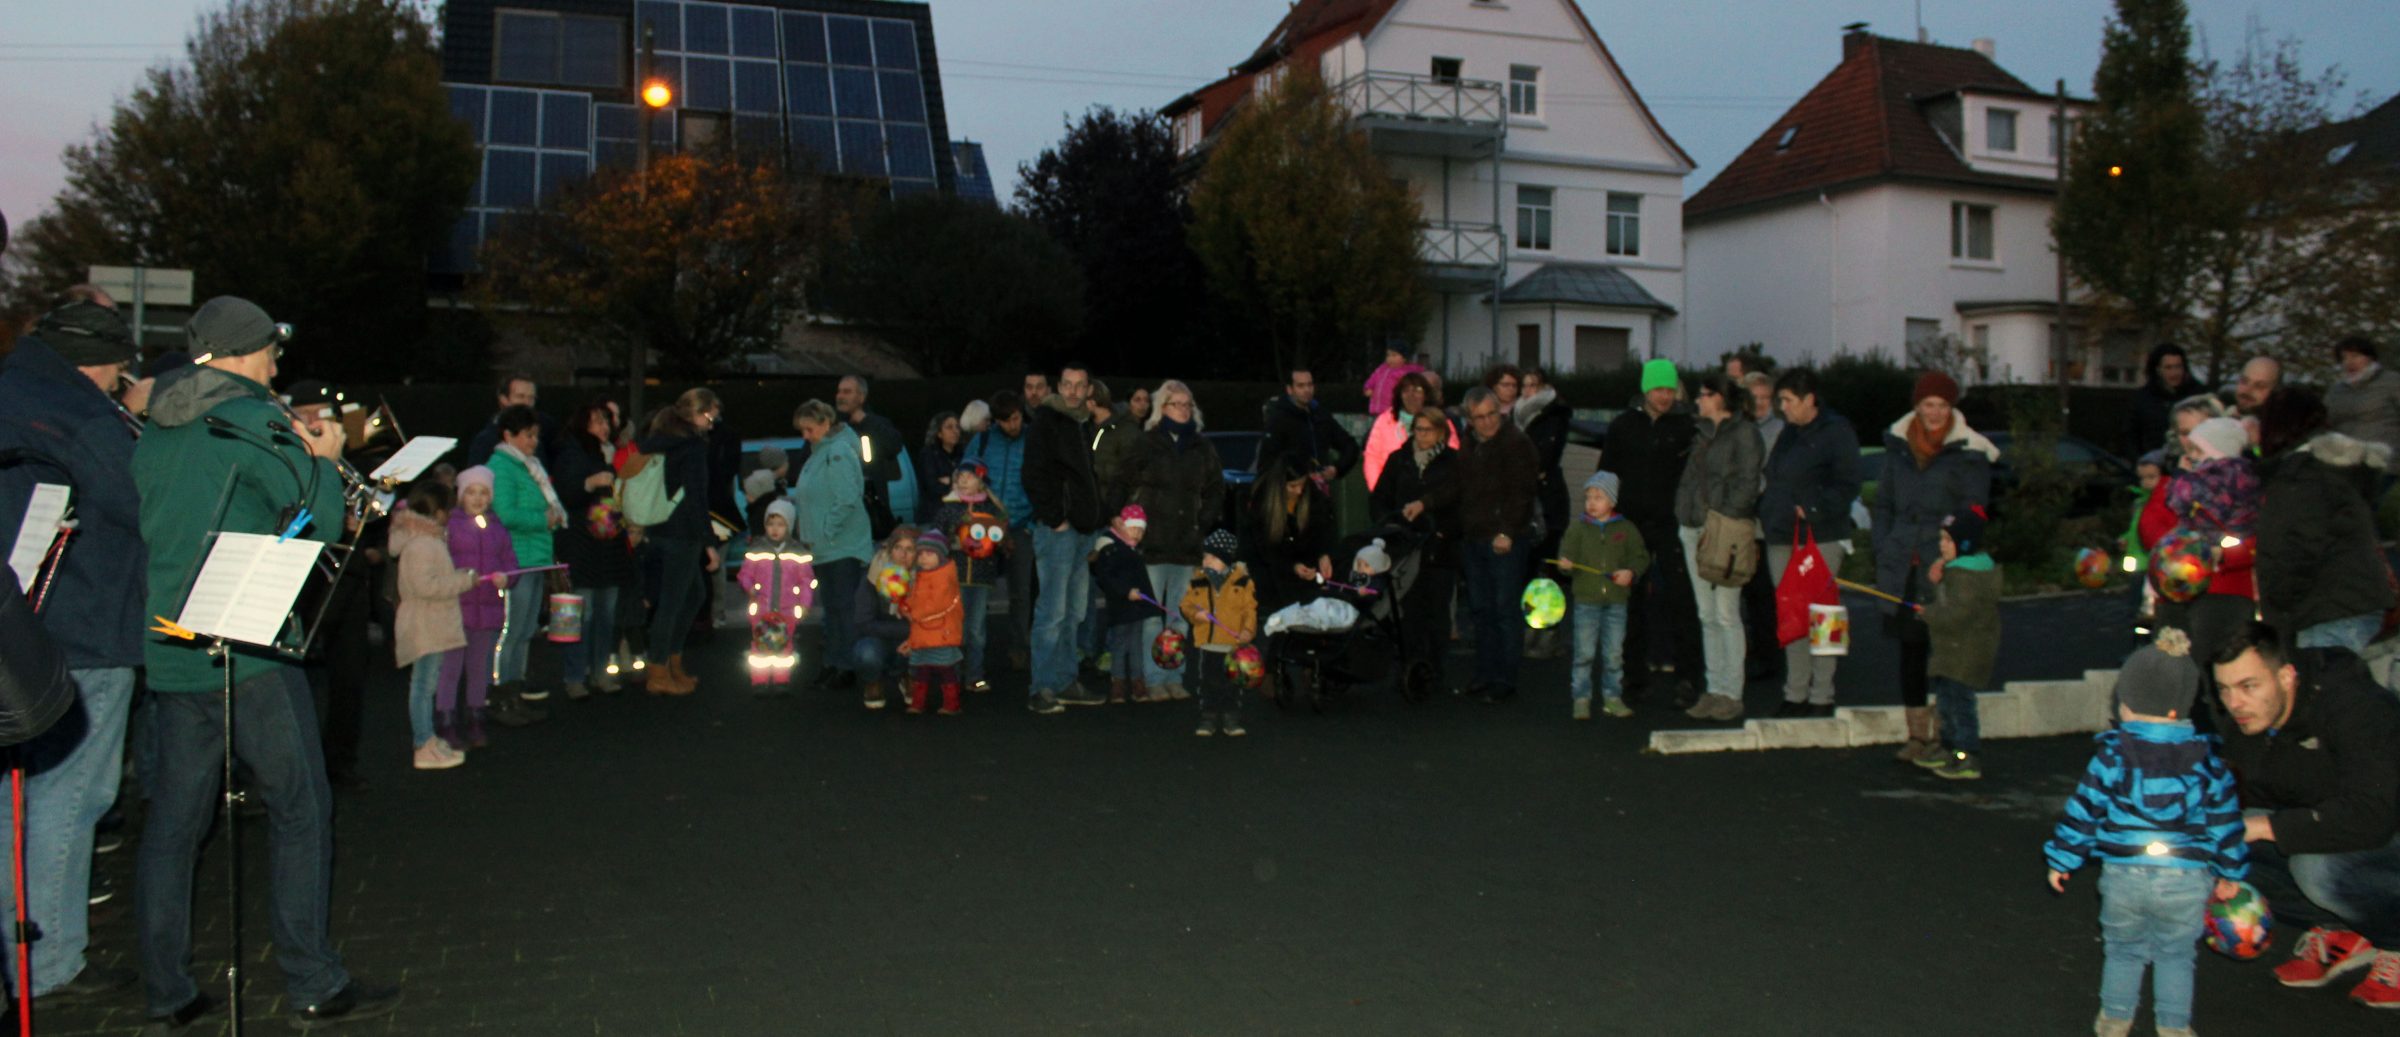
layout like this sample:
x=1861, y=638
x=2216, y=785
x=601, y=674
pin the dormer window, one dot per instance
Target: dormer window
x=1785, y=140
x=2000, y=129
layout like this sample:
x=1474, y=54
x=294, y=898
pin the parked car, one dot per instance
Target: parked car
x=1238, y=452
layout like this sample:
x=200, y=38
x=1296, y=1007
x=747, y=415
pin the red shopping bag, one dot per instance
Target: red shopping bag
x=1806, y=581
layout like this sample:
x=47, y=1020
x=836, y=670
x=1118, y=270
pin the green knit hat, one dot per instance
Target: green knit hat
x=1660, y=374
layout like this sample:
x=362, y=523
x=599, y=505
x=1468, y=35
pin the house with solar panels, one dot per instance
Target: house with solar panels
x=1549, y=192
x=850, y=88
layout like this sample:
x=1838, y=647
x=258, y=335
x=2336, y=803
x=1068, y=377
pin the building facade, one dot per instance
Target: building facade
x=843, y=87
x=1901, y=207
x=1549, y=193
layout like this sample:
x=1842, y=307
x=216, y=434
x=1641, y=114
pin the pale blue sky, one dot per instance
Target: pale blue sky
x=1716, y=72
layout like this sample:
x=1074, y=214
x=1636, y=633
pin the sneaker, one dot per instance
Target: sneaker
x=2322, y=955
x=1077, y=695
x=1701, y=709
x=435, y=756
x=353, y=1002
x=578, y=691
x=1208, y=726
x=1961, y=766
x=1102, y=664
x=1045, y=704
x=2382, y=986
x=534, y=693
x=979, y=687
x=2104, y=1026
x=1583, y=709
x=1174, y=690
x=102, y=894
x=2176, y=1031
x=1616, y=708
x=872, y=698
x=108, y=842
x=1232, y=726
x=1727, y=708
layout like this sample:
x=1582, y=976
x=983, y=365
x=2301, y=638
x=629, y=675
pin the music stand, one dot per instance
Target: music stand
x=246, y=592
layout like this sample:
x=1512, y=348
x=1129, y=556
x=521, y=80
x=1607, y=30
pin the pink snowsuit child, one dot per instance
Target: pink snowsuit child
x=781, y=583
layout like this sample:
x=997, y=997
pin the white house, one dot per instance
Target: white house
x=1907, y=197
x=1549, y=191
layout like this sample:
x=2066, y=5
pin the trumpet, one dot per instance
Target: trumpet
x=363, y=499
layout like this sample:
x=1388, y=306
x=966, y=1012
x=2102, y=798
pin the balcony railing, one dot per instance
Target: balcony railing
x=1399, y=95
x=1474, y=246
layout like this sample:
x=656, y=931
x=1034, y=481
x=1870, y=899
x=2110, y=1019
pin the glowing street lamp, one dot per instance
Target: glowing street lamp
x=657, y=94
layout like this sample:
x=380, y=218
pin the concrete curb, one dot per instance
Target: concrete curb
x=2022, y=709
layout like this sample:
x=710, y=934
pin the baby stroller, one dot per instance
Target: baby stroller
x=1350, y=636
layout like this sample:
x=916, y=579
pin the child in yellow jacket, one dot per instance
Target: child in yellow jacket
x=1222, y=608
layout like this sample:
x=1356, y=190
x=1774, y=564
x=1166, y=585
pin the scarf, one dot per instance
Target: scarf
x=541, y=476
x=1180, y=433
x=1924, y=443
x=1424, y=457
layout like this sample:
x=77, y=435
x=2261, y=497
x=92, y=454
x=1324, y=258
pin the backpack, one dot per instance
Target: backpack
x=644, y=491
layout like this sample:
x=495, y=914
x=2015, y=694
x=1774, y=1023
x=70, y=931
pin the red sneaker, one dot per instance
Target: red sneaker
x=2382, y=986
x=2322, y=955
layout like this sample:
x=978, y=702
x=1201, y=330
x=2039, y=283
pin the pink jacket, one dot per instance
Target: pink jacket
x=1385, y=438
x=778, y=577
x=1382, y=383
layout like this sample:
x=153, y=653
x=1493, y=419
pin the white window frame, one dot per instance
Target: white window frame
x=1993, y=120
x=1525, y=91
x=1962, y=232
x=1624, y=228
x=1536, y=225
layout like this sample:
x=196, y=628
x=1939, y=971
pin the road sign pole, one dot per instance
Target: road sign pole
x=141, y=281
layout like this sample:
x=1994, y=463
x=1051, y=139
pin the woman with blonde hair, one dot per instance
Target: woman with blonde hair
x=1179, y=481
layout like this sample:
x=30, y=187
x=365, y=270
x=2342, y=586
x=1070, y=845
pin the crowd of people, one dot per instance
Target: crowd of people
x=1103, y=514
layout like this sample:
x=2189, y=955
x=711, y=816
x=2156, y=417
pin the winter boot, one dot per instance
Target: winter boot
x=683, y=677
x=1922, y=748
x=660, y=680
x=950, y=706
x=916, y=694
x=471, y=729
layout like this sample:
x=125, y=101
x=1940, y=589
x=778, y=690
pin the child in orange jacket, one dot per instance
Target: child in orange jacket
x=1222, y=608
x=936, y=625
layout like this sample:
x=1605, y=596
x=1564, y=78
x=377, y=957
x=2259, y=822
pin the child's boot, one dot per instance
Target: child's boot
x=873, y=696
x=1208, y=724
x=1116, y=691
x=950, y=706
x=471, y=729
x=916, y=694
x=1921, y=748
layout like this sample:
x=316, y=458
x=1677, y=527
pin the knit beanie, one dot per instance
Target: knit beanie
x=1965, y=527
x=1933, y=384
x=933, y=540
x=758, y=484
x=783, y=508
x=476, y=476
x=773, y=457
x=1134, y=517
x=1658, y=374
x=2220, y=437
x=2160, y=678
x=1223, y=544
x=1372, y=559
x=1607, y=482
x=87, y=334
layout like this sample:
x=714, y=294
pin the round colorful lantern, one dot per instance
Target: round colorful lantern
x=1545, y=604
x=603, y=519
x=1246, y=667
x=2091, y=567
x=981, y=539
x=891, y=581
x=1167, y=649
x=2183, y=563
x=2240, y=927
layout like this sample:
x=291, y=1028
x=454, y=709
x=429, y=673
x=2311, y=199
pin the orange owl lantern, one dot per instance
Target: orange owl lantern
x=980, y=537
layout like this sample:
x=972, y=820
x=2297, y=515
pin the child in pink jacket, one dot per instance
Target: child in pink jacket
x=781, y=583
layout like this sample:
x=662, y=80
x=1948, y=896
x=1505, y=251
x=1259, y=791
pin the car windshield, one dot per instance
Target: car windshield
x=1236, y=450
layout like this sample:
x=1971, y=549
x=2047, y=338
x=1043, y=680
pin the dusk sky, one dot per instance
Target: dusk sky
x=1716, y=72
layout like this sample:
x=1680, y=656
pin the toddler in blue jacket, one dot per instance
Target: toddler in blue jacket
x=2157, y=805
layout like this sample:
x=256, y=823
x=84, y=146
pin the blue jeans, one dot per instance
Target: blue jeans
x=871, y=657
x=2359, y=890
x=1170, y=581
x=424, y=681
x=599, y=635
x=71, y=774
x=1962, y=724
x=1065, y=585
x=525, y=593
x=1128, y=650
x=1495, y=586
x=275, y=735
x=2151, y=916
x=1599, y=636
x=680, y=591
x=2351, y=632
x=974, y=600
x=837, y=583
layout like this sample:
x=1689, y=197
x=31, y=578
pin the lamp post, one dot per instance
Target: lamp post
x=654, y=95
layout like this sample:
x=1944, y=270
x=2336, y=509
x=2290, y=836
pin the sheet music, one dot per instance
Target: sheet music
x=412, y=459
x=246, y=587
x=43, y=513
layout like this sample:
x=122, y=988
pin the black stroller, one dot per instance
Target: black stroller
x=1315, y=664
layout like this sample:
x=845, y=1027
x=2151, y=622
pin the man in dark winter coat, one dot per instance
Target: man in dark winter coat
x=1065, y=494
x=55, y=404
x=2169, y=380
x=1647, y=448
x=1812, y=478
x=1494, y=499
x=1297, y=425
x=2320, y=567
x=2316, y=744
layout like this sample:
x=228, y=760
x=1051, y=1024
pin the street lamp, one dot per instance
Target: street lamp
x=657, y=94
x=654, y=95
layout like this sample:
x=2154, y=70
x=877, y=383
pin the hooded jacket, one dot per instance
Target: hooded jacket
x=2147, y=420
x=428, y=620
x=832, y=495
x=1178, y=479
x=49, y=408
x=1117, y=570
x=485, y=547
x=2367, y=409
x=2318, y=555
x=2153, y=794
x=1233, y=600
x=1911, y=502
x=2331, y=773
x=1814, y=467
x=1059, y=479
x=183, y=469
x=936, y=619
x=1722, y=475
x=1649, y=453
x=1611, y=545
x=958, y=519
x=778, y=576
x=1003, y=460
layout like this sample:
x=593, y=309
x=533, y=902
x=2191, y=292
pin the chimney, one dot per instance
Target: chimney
x=1986, y=46
x=1854, y=36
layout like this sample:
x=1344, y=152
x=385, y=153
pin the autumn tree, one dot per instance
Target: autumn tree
x=301, y=154
x=956, y=285
x=705, y=259
x=1302, y=229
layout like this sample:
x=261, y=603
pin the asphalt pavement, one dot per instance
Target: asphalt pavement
x=727, y=864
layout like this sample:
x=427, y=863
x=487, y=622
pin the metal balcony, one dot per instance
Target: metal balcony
x=1462, y=257
x=1420, y=115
